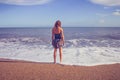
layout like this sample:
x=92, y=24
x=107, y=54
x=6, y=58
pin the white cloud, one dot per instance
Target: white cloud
x=107, y=2
x=116, y=13
x=25, y=2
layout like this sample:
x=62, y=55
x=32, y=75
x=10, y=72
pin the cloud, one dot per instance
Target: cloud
x=116, y=13
x=25, y=2
x=107, y=2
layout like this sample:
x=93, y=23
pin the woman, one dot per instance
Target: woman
x=57, y=39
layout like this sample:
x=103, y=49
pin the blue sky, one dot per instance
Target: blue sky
x=72, y=13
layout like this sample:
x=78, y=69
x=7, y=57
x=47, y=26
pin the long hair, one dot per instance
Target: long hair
x=58, y=23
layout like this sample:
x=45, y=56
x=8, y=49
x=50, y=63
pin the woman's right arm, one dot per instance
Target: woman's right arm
x=62, y=36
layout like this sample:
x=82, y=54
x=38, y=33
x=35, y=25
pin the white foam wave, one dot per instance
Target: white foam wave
x=87, y=55
x=93, y=43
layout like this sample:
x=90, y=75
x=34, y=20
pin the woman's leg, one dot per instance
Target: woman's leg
x=55, y=50
x=60, y=51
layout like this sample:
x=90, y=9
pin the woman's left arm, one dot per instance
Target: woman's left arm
x=52, y=34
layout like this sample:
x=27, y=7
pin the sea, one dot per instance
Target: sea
x=84, y=46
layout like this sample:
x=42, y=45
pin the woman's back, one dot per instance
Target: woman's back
x=57, y=30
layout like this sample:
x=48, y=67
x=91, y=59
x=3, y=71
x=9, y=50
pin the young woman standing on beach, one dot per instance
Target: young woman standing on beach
x=57, y=39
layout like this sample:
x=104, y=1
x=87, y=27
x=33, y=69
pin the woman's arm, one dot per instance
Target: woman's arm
x=52, y=34
x=62, y=35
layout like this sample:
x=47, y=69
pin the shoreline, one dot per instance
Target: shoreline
x=27, y=61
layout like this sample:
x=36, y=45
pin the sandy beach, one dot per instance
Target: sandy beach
x=23, y=70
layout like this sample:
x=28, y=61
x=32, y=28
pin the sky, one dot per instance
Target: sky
x=72, y=13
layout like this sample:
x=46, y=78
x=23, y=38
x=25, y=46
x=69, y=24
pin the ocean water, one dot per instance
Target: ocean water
x=85, y=46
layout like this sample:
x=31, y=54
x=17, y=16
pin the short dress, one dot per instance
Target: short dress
x=57, y=42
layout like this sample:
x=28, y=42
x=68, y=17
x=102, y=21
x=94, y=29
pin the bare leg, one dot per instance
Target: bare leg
x=55, y=50
x=60, y=51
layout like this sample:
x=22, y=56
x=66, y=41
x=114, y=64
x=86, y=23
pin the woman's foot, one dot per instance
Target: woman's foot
x=54, y=62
